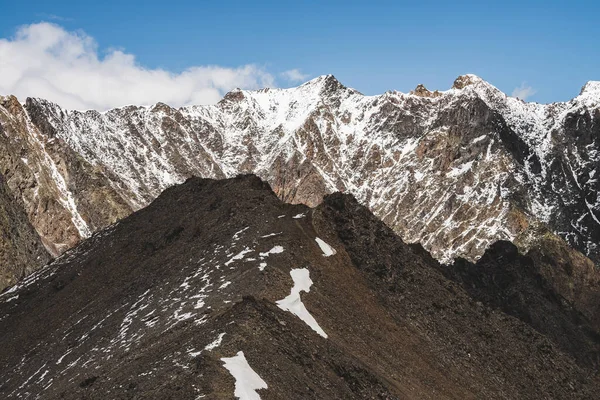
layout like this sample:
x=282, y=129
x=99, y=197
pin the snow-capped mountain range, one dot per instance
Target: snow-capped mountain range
x=454, y=170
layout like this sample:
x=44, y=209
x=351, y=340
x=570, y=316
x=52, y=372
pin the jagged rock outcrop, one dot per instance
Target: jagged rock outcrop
x=422, y=91
x=322, y=303
x=455, y=170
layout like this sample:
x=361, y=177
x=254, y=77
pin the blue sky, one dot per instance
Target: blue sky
x=552, y=47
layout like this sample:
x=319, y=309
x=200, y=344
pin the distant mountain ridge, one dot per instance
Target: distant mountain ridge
x=455, y=170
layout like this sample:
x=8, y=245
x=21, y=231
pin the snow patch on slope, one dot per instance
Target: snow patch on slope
x=216, y=343
x=275, y=250
x=293, y=302
x=247, y=381
x=325, y=248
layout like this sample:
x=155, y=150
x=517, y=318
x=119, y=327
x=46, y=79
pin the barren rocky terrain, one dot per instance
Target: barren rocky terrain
x=318, y=303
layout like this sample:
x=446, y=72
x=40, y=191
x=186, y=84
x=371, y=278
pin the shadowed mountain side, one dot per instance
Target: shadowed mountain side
x=149, y=307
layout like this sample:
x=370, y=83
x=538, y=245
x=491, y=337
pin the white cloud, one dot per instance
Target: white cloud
x=523, y=91
x=294, y=75
x=54, y=17
x=44, y=60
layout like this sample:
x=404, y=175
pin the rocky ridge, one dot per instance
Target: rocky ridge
x=167, y=301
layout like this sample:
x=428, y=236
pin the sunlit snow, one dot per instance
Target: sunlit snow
x=274, y=250
x=216, y=343
x=325, y=248
x=238, y=256
x=293, y=302
x=247, y=381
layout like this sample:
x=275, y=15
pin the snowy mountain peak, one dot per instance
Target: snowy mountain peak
x=590, y=94
x=39, y=103
x=10, y=103
x=466, y=80
x=591, y=88
x=4, y=99
x=326, y=85
x=233, y=96
x=321, y=80
x=162, y=107
x=304, y=96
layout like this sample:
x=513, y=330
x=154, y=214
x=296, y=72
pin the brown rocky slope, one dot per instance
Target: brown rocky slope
x=149, y=307
x=62, y=196
x=21, y=249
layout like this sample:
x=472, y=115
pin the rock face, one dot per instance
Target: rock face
x=21, y=249
x=64, y=197
x=218, y=275
x=455, y=170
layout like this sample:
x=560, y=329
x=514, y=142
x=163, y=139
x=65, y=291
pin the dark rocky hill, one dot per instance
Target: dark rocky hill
x=219, y=287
